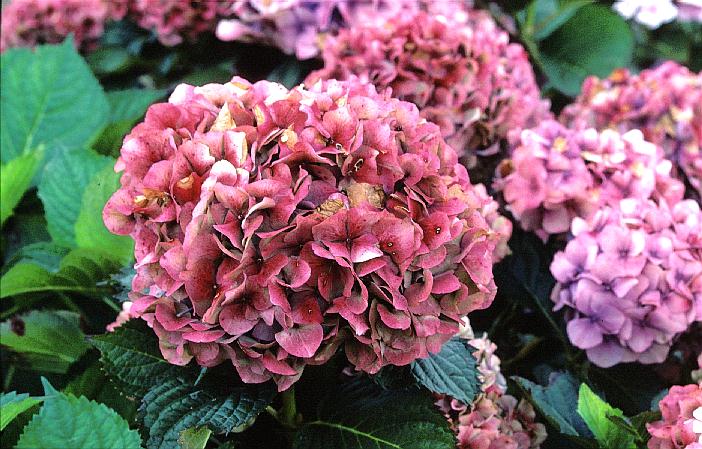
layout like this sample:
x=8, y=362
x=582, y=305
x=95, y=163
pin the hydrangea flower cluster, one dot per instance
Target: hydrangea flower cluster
x=27, y=23
x=631, y=280
x=463, y=74
x=273, y=226
x=175, y=20
x=665, y=103
x=296, y=26
x=681, y=426
x=300, y=27
x=556, y=174
x=495, y=420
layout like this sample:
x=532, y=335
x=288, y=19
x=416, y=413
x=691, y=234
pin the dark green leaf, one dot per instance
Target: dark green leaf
x=362, y=415
x=49, y=340
x=549, y=15
x=69, y=422
x=594, y=41
x=131, y=355
x=12, y=405
x=15, y=178
x=557, y=402
x=108, y=60
x=175, y=405
x=44, y=254
x=90, y=230
x=50, y=97
x=597, y=413
x=452, y=371
x=94, y=384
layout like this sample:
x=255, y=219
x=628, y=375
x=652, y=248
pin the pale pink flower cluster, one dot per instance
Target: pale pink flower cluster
x=495, y=420
x=665, y=103
x=556, y=174
x=681, y=426
x=27, y=23
x=631, y=279
x=123, y=316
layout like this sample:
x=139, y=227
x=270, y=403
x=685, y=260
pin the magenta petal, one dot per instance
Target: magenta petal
x=394, y=320
x=233, y=320
x=301, y=341
x=445, y=283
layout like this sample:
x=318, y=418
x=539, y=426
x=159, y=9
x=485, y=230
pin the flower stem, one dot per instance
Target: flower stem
x=288, y=413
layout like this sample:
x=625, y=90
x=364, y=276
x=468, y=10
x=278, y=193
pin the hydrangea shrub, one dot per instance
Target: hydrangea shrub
x=273, y=226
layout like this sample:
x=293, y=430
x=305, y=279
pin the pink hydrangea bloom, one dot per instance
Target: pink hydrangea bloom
x=665, y=103
x=176, y=20
x=682, y=411
x=689, y=10
x=556, y=174
x=495, y=420
x=300, y=27
x=27, y=23
x=464, y=76
x=630, y=280
x=273, y=226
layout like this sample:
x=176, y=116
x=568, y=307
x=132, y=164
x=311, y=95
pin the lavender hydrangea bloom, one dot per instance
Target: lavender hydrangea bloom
x=631, y=279
x=273, y=226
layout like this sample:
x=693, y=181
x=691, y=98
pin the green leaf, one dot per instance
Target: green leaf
x=175, y=405
x=595, y=41
x=595, y=413
x=50, y=97
x=549, y=15
x=49, y=340
x=46, y=255
x=126, y=108
x=556, y=402
x=131, y=355
x=13, y=404
x=93, y=383
x=108, y=60
x=194, y=438
x=90, y=230
x=362, y=415
x=67, y=421
x=81, y=271
x=61, y=188
x=15, y=178
x=452, y=371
